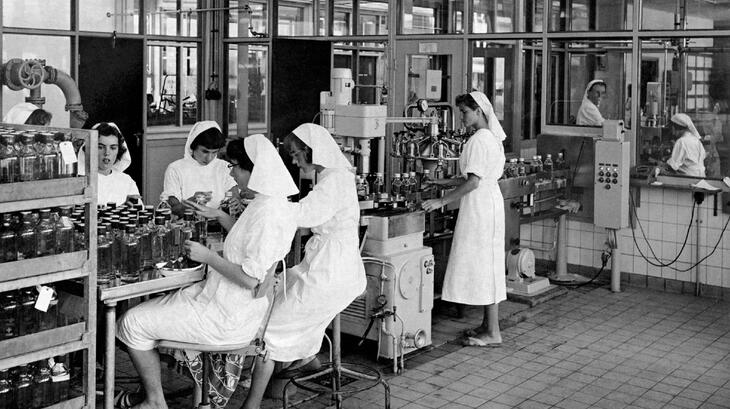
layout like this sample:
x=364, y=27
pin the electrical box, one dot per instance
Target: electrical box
x=611, y=183
x=360, y=121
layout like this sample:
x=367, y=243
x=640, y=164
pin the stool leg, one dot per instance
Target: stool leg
x=337, y=367
x=205, y=384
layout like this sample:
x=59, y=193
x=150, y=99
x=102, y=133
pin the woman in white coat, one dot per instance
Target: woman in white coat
x=221, y=309
x=113, y=185
x=688, y=153
x=332, y=274
x=475, y=274
x=588, y=113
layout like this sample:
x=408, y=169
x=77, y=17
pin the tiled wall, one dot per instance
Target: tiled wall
x=664, y=215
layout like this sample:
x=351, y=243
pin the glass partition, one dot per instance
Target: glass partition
x=685, y=75
x=109, y=15
x=490, y=16
x=531, y=89
x=369, y=62
x=684, y=14
x=247, y=78
x=591, y=15
x=189, y=85
x=431, y=16
x=342, y=18
x=250, y=22
x=373, y=17
x=589, y=82
x=38, y=13
x=298, y=18
x=161, y=85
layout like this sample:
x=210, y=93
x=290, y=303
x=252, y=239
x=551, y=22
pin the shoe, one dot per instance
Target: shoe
x=123, y=400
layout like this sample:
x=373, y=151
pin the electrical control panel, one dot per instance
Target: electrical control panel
x=611, y=183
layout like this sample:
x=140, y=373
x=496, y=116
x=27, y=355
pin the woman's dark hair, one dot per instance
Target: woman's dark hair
x=466, y=100
x=39, y=117
x=292, y=142
x=105, y=129
x=236, y=152
x=210, y=138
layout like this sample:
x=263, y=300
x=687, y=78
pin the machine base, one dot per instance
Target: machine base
x=529, y=286
x=568, y=278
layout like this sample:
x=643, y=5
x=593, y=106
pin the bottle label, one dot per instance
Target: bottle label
x=45, y=294
x=67, y=152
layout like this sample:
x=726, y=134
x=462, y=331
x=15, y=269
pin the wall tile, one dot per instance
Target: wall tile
x=627, y=263
x=669, y=232
x=669, y=251
x=573, y=255
x=639, y=265
x=586, y=239
x=714, y=276
x=670, y=197
x=653, y=271
x=655, y=231
x=586, y=257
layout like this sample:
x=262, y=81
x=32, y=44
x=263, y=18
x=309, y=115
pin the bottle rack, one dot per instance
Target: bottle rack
x=80, y=336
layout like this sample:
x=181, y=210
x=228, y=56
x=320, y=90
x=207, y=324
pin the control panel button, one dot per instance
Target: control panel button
x=600, y=180
x=615, y=174
x=600, y=173
x=608, y=186
x=614, y=181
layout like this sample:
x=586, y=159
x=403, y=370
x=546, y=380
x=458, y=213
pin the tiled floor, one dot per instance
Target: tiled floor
x=589, y=348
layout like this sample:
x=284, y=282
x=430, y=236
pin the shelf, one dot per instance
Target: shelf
x=9, y=207
x=43, y=189
x=42, y=340
x=127, y=291
x=68, y=264
x=63, y=349
x=78, y=402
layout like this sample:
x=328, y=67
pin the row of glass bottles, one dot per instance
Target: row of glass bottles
x=30, y=155
x=37, y=233
x=519, y=167
x=132, y=241
x=40, y=384
x=19, y=317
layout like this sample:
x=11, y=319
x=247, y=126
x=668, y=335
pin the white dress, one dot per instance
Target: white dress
x=475, y=274
x=688, y=156
x=217, y=311
x=186, y=176
x=331, y=275
x=115, y=188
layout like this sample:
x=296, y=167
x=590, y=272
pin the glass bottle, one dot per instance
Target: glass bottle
x=6, y=390
x=363, y=188
x=378, y=185
x=27, y=323
x=226, y=202
x=64, y=232
x=160, y=240
x=24, y=389
x=162, y=206
x=412, y=183
x=42, y=394
x=395, y=186
x=145, y=241
x=130, y=256
x=8, y=316
x=548, y=165
x=539, y=166
x=26, y=241
x=521, y=171
x=560, y=162
x=117, y=238
x=65, y=169
x=48, y=319
x=8, y=245
x=45, y=234
x=8, y=161
x=80, y=237
x=28, y=161
x=47, y=157
x=60, y=379
x=104, y=272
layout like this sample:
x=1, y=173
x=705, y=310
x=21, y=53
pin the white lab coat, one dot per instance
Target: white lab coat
x=688, y=155
x=115, y=188
x=217, y=311
x=186, y=176
x=331, y=275
x=588, y=114
x=475, y=274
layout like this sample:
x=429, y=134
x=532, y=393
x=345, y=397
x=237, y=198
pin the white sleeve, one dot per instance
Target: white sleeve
x=679, y=152
x=273, y=232
x=172, y=185
x=321, y=204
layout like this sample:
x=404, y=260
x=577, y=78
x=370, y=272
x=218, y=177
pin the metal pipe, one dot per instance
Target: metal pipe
x=70, y=92
x=615, y=270
x=697, y=254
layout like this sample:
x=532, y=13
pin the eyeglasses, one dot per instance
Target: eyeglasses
x=295, y=153
x=231, y=165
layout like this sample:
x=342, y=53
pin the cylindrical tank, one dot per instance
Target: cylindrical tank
x=341, y=86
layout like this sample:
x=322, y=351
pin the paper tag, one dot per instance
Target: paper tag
x=45, y=294
x=67, y=152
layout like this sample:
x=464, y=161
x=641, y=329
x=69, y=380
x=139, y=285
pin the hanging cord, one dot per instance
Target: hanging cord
x=658, y=262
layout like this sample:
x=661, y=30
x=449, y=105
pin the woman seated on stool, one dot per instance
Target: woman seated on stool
x=331, y=275
x=221, y=309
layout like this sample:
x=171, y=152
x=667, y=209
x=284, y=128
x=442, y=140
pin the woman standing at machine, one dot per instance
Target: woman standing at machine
x=688, y=153
x=475, y=271
x=331, y=275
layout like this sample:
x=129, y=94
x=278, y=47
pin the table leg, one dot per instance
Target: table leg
x=111, y=312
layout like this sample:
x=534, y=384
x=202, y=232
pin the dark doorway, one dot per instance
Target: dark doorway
x=111, y=86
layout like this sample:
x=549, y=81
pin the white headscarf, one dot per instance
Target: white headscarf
x=196, y=130
x=19, y=113
x=590, y=85
x=685, y=121
x=121, y=165
x=588, y=113
x=492, y=122
x=325, y=151
x=269, y=176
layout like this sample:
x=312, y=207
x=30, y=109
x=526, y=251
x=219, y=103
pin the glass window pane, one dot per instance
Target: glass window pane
x=490, y=16
x=109, y=15
x=531, y=88
x=160, y=17
x=371, y=70
x=297, y=19
x=431, y=16
x=690, y=76
x=37, y=13
x=189, y=88
x=534, y=16
x=695, y=15
x=373, y=17
x=161, y=85
x=343, y=18
x=189, y=20
x=247, y=79
x=591, y=15
x=575, y=64
x=56, y=51
x=239, y=20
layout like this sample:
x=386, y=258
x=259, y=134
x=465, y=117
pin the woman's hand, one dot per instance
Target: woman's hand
x=202, y=210
x=432, y=204
x=197, y=252
x=133, y=200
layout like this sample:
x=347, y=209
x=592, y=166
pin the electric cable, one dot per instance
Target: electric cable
x=658, y=262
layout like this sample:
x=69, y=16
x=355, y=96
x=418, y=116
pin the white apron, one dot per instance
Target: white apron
x=475, y=274
x=331, y=275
